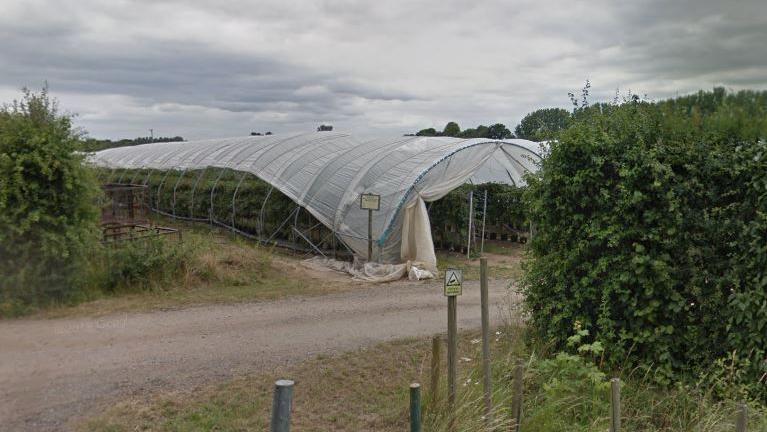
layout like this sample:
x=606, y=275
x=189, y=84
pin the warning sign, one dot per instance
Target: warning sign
x=453, y=282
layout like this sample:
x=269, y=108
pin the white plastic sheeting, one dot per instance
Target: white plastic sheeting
x=370, y=271
x=325, y=172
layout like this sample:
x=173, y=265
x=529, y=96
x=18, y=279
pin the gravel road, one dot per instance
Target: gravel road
x=53, y=372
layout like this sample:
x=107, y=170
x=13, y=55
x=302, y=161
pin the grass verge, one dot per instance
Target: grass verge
x=207, y=267
x=367, y=390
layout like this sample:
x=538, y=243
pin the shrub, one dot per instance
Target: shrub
x=47, y=214
x=650, y=227
x=142, y=265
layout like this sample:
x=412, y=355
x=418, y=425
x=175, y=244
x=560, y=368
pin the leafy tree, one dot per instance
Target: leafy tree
x=498, y=131
x=451, y=129
x=468, y=133
x=542, y=124
x=48, y=217
x=427, y=132
x=480, y=131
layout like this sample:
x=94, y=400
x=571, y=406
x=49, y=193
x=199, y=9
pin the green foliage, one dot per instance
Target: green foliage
x=449, y=215
x=48, y=217
x=570, y=391
x=92, y=145
x=451, y=129
x=427, y=132
x=543, y=124
x=650, y=226
x=140, y=265
x=496, y=131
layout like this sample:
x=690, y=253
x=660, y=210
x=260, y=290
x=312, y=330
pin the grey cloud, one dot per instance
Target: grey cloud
x=208, y=68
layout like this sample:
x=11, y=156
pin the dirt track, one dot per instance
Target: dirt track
x=55, y=371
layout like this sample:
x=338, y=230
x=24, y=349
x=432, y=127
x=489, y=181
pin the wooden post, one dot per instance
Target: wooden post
x=516, y=397
x=282, y=405
x=615, y=405
x=415, y=407
x=488, y=383
x=370, y=235
x=741, y=422
x=436, y=348
x=452, y=349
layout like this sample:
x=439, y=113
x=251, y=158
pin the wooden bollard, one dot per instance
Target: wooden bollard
x=282, y=405
x=436, y=357
x=615, y=405
x=516, y=396
x=415, y=407
x=741, y=421
x=486, y=371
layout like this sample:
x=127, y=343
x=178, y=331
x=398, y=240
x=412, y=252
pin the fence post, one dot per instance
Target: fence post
x=488, y=383
x=741, y=422
x=282, y=405
x=436, y=356
x=516, y=398
x=615, y=405
x=452, y=356
x=415, y=407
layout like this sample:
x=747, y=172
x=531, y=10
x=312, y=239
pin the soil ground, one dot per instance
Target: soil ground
x=55, y=372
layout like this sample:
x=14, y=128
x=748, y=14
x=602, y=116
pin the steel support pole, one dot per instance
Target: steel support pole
x=194, y=189
x=484, y=218
x=120, y=179
x=260, y=226
x=159, y=188
x=469, y=233
x=234, y=197
x=175, y=186
x=212, y=192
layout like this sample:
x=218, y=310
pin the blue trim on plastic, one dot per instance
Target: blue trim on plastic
x=385, y=235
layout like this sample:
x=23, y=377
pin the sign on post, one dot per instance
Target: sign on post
x=453, y=288
x=453, y=282
x=370, y=202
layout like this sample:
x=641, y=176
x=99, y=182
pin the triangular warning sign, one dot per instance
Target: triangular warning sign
x=453, y=279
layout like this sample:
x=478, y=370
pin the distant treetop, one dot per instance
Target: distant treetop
x=92, y=144
x=451, y=129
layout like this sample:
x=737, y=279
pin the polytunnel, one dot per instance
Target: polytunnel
x=326, y=172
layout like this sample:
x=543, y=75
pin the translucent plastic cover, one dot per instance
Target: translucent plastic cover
x=325, y=172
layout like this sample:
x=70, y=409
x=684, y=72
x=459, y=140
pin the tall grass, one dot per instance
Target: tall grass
x=569, y=392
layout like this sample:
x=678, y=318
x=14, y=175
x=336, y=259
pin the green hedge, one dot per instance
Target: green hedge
x=651, y=232
x=47, y=217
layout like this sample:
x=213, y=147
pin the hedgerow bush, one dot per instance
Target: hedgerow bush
x=48, y=217
x=651, y=232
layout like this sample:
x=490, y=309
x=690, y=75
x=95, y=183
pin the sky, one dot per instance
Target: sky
x=204, y=69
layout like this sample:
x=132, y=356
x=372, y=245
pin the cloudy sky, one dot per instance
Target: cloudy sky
x=224, y=68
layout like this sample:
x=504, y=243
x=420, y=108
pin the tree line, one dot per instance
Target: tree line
x=92, y=144
x=539, y=125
